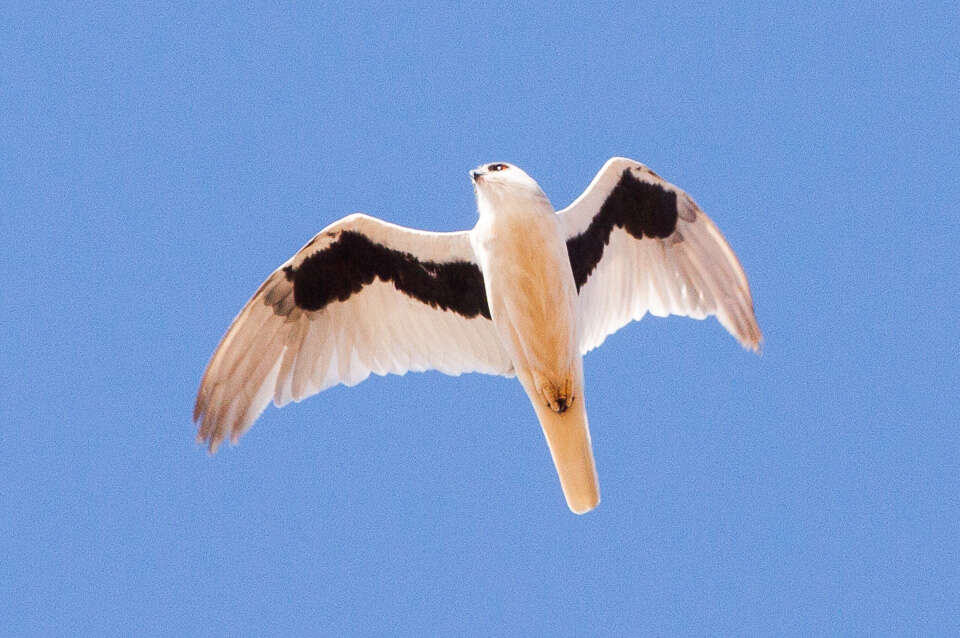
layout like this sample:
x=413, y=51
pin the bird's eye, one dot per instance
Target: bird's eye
x=497, y=167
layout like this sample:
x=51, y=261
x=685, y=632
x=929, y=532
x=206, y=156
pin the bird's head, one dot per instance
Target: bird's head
x=499, y=184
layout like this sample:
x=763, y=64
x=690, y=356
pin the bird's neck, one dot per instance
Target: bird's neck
x=504, y=205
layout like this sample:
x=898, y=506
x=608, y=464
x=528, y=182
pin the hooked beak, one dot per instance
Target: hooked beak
x=476, y=174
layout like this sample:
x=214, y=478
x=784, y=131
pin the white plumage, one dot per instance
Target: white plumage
x=525, y=293
x=693, y=272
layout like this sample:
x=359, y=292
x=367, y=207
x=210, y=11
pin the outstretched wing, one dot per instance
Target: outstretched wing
x=362, y=296
x=639, y=244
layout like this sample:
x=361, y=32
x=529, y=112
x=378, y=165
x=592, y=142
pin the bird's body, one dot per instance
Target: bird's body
x=525, y=293
x=522, y=252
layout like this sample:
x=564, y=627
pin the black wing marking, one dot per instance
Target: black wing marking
x=352, y=261
x=641, y=208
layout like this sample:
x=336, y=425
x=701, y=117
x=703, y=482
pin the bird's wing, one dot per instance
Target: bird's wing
x=639, y=244
x=362, y=296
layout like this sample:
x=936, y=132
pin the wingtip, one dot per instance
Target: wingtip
x=753, y=344
x=754, y=341
x=201, y=439
x=213, y=446
x=208, y=438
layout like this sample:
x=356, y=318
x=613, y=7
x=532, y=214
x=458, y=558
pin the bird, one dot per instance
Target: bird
x=525, y=293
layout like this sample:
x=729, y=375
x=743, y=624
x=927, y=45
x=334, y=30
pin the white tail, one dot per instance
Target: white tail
x=568, y=435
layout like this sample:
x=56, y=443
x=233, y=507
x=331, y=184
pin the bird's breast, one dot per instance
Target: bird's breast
x=530, y=288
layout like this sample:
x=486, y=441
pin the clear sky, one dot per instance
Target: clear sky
x=157, y=164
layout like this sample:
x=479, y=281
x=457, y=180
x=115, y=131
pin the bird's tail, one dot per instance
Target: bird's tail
x=568, y=435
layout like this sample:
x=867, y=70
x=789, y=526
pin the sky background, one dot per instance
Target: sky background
x=157, y=164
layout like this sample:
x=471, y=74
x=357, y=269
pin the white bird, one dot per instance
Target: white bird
x=525, y=293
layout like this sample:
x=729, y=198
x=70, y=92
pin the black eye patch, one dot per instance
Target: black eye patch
x=497, y=167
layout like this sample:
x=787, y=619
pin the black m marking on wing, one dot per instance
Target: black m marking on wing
x=343, y=268
x=641, y=208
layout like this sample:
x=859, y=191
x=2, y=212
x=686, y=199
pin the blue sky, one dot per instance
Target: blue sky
x=157, y=164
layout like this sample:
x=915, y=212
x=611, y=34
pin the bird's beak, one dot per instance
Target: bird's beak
x=476, y=174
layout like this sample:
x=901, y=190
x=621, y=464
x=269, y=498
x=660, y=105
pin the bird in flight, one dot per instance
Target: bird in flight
x=525, y=293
